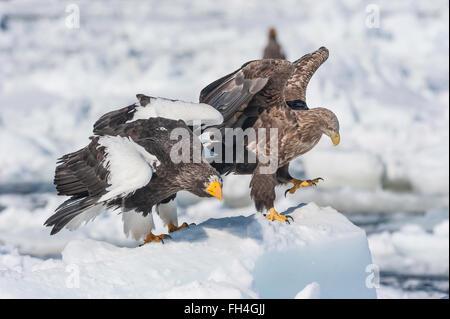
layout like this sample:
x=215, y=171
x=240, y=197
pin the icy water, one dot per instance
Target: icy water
x=399, y=280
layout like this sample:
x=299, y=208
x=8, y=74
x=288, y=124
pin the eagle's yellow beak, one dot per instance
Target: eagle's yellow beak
x=215, y=190
x=335, y=138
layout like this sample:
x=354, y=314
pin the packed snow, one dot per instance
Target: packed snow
x=388, y=85
x=228, y=257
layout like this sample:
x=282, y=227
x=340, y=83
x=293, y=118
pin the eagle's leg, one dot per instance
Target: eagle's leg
x=274, y=215
x=298, y=183
x=263, y=194
x=158, y=238
x=167, y=210
x=172, y=228
x=283, y=177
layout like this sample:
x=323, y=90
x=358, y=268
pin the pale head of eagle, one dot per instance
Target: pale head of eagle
x=329, y=124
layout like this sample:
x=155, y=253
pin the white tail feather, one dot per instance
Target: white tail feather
x=137, y=225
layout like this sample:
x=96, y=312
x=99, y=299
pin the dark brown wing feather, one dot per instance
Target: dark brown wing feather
x=81, y=173
x=248, y=105
x=82, y=176
x=245, y=93
x=304, y=70
x=232, y=92
x=106, y=124
x=154, y=134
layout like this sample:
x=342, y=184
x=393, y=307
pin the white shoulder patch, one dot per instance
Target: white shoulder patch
x=130, y=166
x=178, y=110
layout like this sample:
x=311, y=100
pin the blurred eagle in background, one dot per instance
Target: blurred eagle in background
x=271, y=93
x=273, y=49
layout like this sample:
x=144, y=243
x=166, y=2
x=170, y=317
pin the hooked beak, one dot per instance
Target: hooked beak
x=215, y=190
x=335, y=138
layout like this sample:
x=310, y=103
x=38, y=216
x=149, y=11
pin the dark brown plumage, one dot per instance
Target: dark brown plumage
x=305, y=67
x=273, y=49
x=128, y=166
x=255, y=97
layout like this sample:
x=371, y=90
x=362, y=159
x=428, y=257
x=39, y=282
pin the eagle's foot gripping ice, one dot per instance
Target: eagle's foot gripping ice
x=298, y=183
x=172, y=228
x=158, y=238
x=274, y=215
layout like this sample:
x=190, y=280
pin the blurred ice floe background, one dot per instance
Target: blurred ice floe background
x=389, y=86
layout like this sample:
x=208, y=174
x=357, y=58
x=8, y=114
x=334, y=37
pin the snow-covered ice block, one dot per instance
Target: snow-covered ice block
x=231, y=257
x=312, y=291
x=324, y=247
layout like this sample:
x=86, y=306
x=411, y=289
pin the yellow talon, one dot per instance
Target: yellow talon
x=274, y=215
x=150, y=237
x=298, y=183
x=172, y=228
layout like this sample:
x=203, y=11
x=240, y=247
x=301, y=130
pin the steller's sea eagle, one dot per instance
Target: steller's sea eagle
x=270, y=93
x=128, y=166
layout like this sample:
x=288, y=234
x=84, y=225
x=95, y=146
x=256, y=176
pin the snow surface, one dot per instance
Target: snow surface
x=230, y=257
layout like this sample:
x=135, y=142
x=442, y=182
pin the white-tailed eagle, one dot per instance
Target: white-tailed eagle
x=270, y=93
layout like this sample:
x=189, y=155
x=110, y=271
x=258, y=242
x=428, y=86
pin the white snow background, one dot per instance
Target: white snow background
x=390, y=175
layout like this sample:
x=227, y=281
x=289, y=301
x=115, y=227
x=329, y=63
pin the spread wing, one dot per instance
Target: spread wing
x=232, y=95
x=110, y=167
x=304, y=70
x=159, y=136
x=149, y=107
x=232, y=92
x=81, y=173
